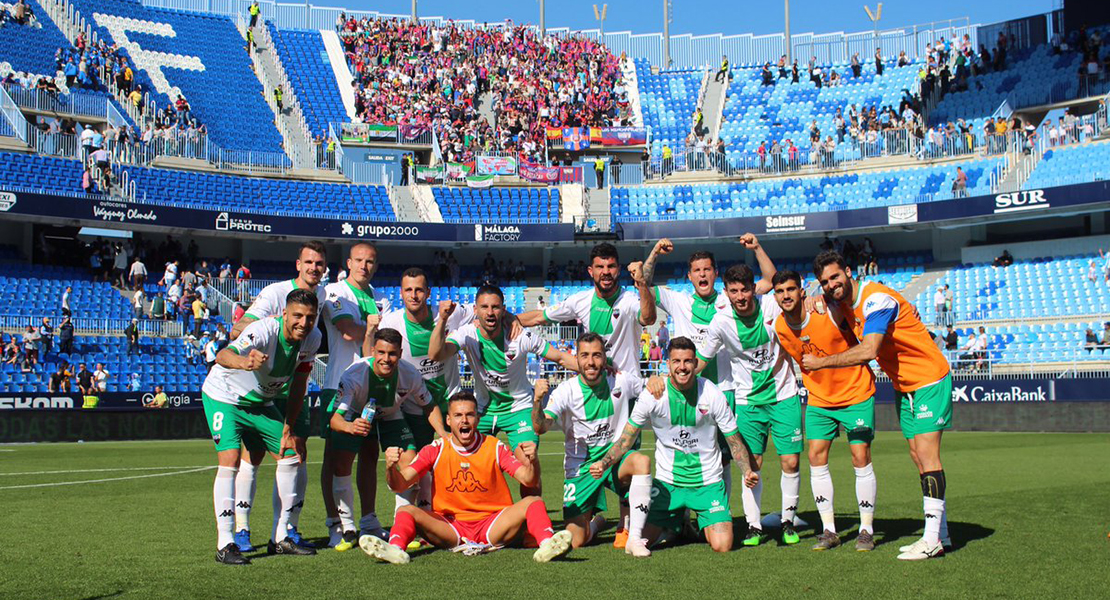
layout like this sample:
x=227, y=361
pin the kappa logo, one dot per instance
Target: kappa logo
x=820, y=499
x=866, y=504
x=464, y=481
x=227, y=513
x=242, y=504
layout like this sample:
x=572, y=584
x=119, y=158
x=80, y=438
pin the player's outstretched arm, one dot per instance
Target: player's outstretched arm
x=643, y=288
x=398, y=478
x=861, y=354
x=532, y=318
x=251, y=361
x=439, y=349
x=541, y=423
x=564, y=359
x=766, y=265
x=628, y=437
x=240, y=325
x=662, y=247
x=435, y=419
x=743, y=457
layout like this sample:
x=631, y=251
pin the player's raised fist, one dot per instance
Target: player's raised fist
x=446, y=307
x=392, y=456
x=372, y=322
x=528, y=449
x=749, y=241
x=255, y=360
x=636, y=269
x=542, y=386
x=663, y=246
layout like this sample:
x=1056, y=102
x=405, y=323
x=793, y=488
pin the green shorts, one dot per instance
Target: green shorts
x=257, y=427
x=927, y=409
x=325, y=410
x=394, y=432
x=669, y=503
x=858, y=420
x=583, y=494
x=303, y=427
x=516, y=425
x=782, y=419
x=422, y=431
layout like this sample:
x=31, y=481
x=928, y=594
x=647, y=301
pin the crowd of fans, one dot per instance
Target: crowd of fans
x=426, y=75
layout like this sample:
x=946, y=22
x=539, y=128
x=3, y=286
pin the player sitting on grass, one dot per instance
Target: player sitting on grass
x=472, y=504
x=238, y=397
x=368, y=410
x=687, y=458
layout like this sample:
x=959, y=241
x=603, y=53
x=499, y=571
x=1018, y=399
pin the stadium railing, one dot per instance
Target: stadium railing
x=13, y=117
x=96, y=325
x=381, y=133
x=73, y=104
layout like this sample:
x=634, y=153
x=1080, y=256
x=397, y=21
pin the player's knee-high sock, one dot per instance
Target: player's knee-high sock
x=302, y=488
x=821, y=481
x=537, y=521
x=286, y=484
x=275, y=500
x=639, y=497
x=943, y=516
x=932, y=487
x=791, y=485
x=405, y=498
x=752, y=498
x=866, y=490
x=403, y=531
x=223, y=499
x=246, y=481
x=344, y=501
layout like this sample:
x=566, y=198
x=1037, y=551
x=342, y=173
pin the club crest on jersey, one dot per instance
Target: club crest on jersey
x=510, y=354
x=616, y=313
x=703, y=409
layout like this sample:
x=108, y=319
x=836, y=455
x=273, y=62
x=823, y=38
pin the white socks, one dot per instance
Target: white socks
x=752, y=498
x=934, y=511
x=344, y=501
x=866, y=490
x=302, y=487
x=821, y=482
x=285, y=483
x=944, y=520
x=223, y=499
x=639, y=501
x=245, y=484
x=791, y=485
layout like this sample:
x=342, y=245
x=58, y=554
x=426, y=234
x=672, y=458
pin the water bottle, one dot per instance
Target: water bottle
x=369, y=410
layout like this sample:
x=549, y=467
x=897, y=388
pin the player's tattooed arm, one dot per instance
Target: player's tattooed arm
x=860, y=354
x=743, y=457
x=663, y=246
x=541, y=423
x=628, y=437
x=439, y=349
x=647, y=297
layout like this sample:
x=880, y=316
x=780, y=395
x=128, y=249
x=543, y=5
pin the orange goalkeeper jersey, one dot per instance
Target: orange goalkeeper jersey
x=819, y=336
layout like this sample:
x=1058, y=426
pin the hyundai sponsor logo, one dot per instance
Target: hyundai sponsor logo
x=7, y=201
x=225, y=222
x=786, y=223
x=1019, y=201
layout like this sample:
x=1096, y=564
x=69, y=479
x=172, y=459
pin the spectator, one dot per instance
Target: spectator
x=158, y=307
x=210, y=348
x=722, y=73
x=134, y=383
x=85, y=381
x=599, y=169
x=159, y=400
x=31, y=345
x=46, y=337
x=1105, y=256
x=938, y=304
x=200, y=316
x=949, y=301
x=1006, y=259
x=951, y=340
x=100, y=376
x=857, y=68
x=192, y=355
x=169, y=277
x=138, y=274
x=65, y=336
x=540, y=304
x=255, y=10
x=969, y=350
x=655, y=354
x=959, y=185
x=66, y=311
x=138, y=303
x=12, y=352
x=60, y=379
x=242, y=282
x=663, y=336
x=1091, y=340
x=132, y=335
x=981, y=347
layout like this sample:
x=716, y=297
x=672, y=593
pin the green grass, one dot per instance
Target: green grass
x=1028, y=515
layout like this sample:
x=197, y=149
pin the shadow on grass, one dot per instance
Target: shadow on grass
x=100, y=596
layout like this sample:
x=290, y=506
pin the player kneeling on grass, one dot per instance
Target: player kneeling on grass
x=592, y=409
x=687, y=458
x=471, y=506
x=368, y=409
x=238, y=399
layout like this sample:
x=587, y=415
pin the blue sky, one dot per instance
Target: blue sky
x=703, y=16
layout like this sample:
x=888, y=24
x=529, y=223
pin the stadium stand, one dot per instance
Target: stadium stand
x=498, y=205
x=668, y=101
x=30, y=48
x=1061, y=166
x=303, y=55
x=205, y=60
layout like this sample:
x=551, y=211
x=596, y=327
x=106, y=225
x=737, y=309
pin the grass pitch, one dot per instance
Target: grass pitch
x=1028, y=516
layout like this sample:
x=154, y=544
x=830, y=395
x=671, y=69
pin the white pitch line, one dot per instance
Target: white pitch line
x=61, y=483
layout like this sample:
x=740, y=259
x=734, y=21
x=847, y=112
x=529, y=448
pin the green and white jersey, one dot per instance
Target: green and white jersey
x=442, y=378
x=692, y=314
x=616, y=319
x=592, y=418
x=284, y=358
x=761, y=372
x=500, y=367
x=344, y=300
x=270, y=302
x=359, y=383
x=685, y=425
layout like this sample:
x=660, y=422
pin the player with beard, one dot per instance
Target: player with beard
x=472, y=508
x=891, y=333
x=312, y=260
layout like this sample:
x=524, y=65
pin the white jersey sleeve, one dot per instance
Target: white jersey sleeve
x=569, y=309
x=270, y=301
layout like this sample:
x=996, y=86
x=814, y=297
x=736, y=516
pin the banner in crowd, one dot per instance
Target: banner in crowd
x=540, y=173
x=411, y=133
x=618, y=136
x=570, y=174
x=479, y=181
x=554, y=134
x=496, y=165
x=576, y=138
x=459, y=170
x=429, y=174
x=367, y=132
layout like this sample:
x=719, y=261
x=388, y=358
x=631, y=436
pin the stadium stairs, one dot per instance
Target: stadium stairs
x=713, y=105
x=403, y=199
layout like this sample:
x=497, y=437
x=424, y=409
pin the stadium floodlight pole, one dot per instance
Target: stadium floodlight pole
x=786, y=33
x=600, y=16
x=543, y=22
x=878, y=14
x=414, y=17
x=666, y=34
